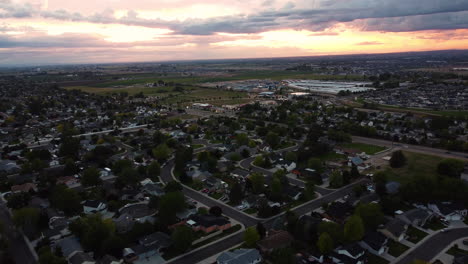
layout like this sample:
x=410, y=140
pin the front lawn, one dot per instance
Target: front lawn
x=368, y=149
x=216, y=195
x=197, y=146
x=456, y=251
x=250, y=211
x=415, y=235
x=396, y=248
x=371, y=258
x=434, y=224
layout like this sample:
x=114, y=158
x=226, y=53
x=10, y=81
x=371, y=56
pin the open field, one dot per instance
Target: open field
x=417, y=165
x=130, y=90
x=417, y=111
x=368, y=149
x=447, y=113
x=242, y=75
x=190, y=95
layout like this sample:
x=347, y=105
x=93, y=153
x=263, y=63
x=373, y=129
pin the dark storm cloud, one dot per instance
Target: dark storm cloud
x=384, y=15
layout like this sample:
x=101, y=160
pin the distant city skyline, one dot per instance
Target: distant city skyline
x=106, y=31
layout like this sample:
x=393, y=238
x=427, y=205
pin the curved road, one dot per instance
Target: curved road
x=434, y=245
x=247, y=220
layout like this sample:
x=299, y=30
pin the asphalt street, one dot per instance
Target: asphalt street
x=434, y=245
x=18, y=247
x=412, y=148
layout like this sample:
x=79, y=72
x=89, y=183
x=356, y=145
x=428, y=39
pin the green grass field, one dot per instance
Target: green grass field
x=241, y=75
x=368, y=149
x=162, y=91
x=417, y=165
x=331, y=156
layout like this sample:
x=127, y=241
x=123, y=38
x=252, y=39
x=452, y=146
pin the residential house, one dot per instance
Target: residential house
x=240, y=173
x=309, y=227
x=294, y=192
x=198, y=174
x=375, y=242
x=449, y=211
x=26, y=187
x=285, y=164
x=139, y=212
x=147, y=247
x=94, y=206
x=153, y=189
x=69, y=246
x=81, y=258
x=108, y=259
x=275, y=240
x=69, y=181
x=213, y=183
x=396, y=229
x=338, y=212
x=350, y=253
x=208, y=223
x=240, y=256
x=9, y=167
x=416, y=216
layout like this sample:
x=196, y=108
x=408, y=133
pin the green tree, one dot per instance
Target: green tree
x=258, y=182
x=92, y=230
x=276, y=189
x=251, y=237
x=66, y=200
x=236, y=194
x=261, y=230
x=161, y=152
x=309, y=190
x=315, y=164
x=336, y=179
x=169, y=205
x=333, y=229
x=47, y=257
x=70, y=167
x=272, y=139
x=291, y=156
x=355, y=172
x=129, y=176
x=325, y=243
x=398, y=159
x=259, y=161
x=242, y=139
x=183, y=237
x=354, y=229
x=90, y=177
x=371, y=214
x=26, y=218
x=18, y=200
x=283, y=256
x=173, y=186
x=153, y=170
x=451, y=167
x=120, y=165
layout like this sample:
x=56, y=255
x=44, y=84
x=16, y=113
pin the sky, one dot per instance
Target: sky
x=96, y=31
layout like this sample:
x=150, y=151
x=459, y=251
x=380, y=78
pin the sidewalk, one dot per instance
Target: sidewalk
x=447, y=258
